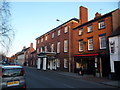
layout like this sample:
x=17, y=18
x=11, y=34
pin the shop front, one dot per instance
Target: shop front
x=90, y=62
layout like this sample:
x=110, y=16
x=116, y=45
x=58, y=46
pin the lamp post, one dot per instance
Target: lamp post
x=59, y=20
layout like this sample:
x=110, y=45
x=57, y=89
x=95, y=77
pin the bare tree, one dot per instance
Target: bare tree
x=6, y=31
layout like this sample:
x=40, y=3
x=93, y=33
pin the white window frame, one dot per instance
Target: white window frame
x=102, y=41
x=101, y=25
x=41, y=49
x=89, y=29
x=90, y=44
x=53, y=35
x=65, y=63
x=52, y=47
x=41, y=39
x=80, y=31
x=58, y=62
x=66, y=29
x=58, y=47
x=58, y=32
x=81, y=46
x=46, y=38
x=65, y=45
x=45, y=48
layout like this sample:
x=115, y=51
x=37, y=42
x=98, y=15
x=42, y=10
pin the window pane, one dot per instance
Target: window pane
x=101, y=25
x=66, y=29
x=90, y=44
x=65, y=46
x=65, y=63
x=58, y=32
x=102, y=42
x=90, y=29
x=81, y=46
x=58, y=47
x=80, y=31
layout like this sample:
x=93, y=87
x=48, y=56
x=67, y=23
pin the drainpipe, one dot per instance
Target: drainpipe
x=70, y=49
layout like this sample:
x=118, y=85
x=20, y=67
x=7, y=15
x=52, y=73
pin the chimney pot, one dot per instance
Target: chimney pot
x=97, y=15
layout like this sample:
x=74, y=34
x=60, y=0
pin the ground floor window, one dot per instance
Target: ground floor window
x=58, y=62
x=65, y=63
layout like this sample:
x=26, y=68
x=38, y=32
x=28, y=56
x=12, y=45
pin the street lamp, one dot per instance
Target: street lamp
x=59, y=20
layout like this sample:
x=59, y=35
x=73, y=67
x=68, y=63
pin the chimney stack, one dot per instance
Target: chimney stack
x=83, y=14
x=97, y=15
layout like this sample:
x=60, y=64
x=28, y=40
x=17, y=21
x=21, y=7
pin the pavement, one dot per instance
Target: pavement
x=91, y=78
x=105, y=81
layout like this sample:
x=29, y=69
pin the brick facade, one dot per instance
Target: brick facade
x=42, y=42
x=95, y=61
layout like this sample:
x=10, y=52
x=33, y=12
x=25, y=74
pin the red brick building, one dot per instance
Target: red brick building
x=54, y=47
x=27, y=54
x=78, y=42
x=33, y=59
x=90, y=43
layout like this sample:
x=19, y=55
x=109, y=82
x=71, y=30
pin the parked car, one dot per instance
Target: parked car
x=13, y=76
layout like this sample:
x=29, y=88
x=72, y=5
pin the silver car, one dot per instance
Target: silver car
x=13, y=76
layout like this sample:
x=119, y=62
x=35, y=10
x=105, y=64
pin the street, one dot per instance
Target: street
x=49, y=79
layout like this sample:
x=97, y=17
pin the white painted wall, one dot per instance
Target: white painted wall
x=116, y=55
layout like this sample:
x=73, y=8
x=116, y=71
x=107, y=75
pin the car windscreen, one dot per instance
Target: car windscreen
x=12, y=72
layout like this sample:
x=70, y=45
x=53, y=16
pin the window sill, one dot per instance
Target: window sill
x=80, y=51
x=103, y=48
x=80, y=35
x=91, y=50
x=90, y=32
x=101, y=28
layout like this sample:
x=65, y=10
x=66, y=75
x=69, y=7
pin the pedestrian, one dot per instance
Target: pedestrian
x=80, y=72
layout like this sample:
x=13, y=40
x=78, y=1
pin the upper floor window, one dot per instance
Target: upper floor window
x=81, y=46
x=90, y=43
x=101, y=25
x=46, y=38
x=38, y=41
x=80, y=31
x=41, y=39
x=53, y=35
x=65, y=45
x=66, y=29
x=89, y=28
x=58, y=32
x=58, y=47
x=102, y=39
x=52, y=48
